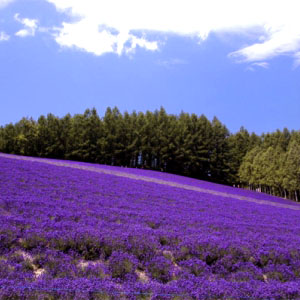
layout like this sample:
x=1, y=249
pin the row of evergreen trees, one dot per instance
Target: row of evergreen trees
x=187, y=144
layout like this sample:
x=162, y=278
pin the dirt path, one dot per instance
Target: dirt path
x=150, y=179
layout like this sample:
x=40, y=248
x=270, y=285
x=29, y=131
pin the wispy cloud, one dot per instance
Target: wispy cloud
x=277, y=19
x=297, y=60
x=3, y=3
x=3, y=36
x=284, y=40
x=262, y=64
x=30, y=26
x=253, y=66
x=170, y=63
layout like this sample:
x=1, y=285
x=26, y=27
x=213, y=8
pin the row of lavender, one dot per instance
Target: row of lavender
x=179, y=179
x=193, y=182
x=75, y=234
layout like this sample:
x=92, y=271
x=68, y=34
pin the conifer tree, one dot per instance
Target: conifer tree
x=219, y=152
x=239, y=144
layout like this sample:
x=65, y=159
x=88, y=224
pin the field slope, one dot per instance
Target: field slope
x=72, y=230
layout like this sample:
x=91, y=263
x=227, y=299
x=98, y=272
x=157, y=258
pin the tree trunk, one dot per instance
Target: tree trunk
x=296, y=196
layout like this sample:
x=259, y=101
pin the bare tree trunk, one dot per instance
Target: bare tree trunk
x=296, y=196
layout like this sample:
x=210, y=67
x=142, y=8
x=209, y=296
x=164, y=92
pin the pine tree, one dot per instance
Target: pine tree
x=239, y=144
x=219, y=152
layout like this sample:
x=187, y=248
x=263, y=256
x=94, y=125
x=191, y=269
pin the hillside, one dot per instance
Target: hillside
x=185, y=144
x=83, y=231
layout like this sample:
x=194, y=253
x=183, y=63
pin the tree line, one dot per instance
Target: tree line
x=184, y=144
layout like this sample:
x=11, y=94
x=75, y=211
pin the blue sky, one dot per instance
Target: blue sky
x=237, y=62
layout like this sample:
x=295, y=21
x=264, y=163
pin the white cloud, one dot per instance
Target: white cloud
x=3, y=3
x=4, y=36
x=30, y=26
x=284, y=40
x=278, y=20
x=89, y=36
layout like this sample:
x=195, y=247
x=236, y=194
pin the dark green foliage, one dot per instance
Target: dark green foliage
x=273, y=166
x=122, y=264
x=219, y=152
x=239, y=145
x=187, y=144
x=160, y=268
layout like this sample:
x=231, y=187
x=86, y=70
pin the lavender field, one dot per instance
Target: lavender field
x=72, y=232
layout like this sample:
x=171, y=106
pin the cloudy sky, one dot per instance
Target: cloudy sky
x=238, y=60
